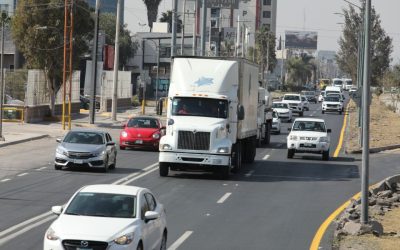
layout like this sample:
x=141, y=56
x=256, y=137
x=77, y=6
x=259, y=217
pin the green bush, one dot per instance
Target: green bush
x=135, y=100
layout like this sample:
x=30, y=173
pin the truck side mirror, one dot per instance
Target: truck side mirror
x=240, y=112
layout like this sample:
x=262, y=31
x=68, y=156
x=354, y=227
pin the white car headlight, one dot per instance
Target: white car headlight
x=100, y=153
x=165, y=147
x=124, y=239
x=293, y=137
x=124, y=134
x=323, y=139
x=51, y=234
x=223, y=150
x=60, y=151
x=156, y=135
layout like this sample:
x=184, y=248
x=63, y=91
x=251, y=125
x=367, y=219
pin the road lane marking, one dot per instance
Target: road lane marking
x=340, y=143
x=223, y=198
x=40, y=168
x=179, y=241
x=18, y=229
x=266, y=157
x=249, y=173
x=4, y=180
x=22, y=174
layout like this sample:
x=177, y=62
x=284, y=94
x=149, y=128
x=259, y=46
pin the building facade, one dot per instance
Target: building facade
x=108, y=6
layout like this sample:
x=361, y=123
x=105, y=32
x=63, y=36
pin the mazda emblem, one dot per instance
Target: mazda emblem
x=84, y=243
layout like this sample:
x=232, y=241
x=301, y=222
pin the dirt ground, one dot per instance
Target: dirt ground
x=384, y=131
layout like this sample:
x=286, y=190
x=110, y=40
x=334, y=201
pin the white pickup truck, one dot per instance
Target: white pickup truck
x=295, y=103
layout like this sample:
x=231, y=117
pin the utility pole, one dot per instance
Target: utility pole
x=174, y=28
x=116, y=64
x=365, y=114
x=194, y=29
x=92, y=112
x=2, y=77
x=183, y=27
x=237, y=37
x=203, y=28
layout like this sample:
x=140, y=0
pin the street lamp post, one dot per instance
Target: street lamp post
x=4, y=19
x=157, y=46
x=116, y=64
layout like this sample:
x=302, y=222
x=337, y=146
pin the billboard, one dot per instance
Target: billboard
x=224, y=4
x=301, y=40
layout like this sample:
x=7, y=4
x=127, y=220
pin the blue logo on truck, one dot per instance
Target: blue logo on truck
x=203, y=81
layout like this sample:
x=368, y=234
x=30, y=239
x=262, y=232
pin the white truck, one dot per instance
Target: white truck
x=264, y=116
x=211, y=115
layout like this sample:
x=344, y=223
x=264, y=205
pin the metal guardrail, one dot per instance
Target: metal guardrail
x=13, y=114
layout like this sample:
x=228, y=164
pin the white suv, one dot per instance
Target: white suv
x=332, y=103
x=295, y=103
x=308, y=135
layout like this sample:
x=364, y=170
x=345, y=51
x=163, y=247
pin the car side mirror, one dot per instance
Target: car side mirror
x=240, y=112
x=58, y=140
x=57, y=209
x=328, y=130
x=151, y=215
x=110, y=143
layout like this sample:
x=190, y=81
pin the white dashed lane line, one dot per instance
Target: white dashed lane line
x=179, y=241
x=267, y=156
x=4, y=180
x=223, y=198
x=22, y=174
x=40, y=168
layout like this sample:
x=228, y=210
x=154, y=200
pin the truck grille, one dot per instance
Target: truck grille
x=83, y=244
x=193, y=140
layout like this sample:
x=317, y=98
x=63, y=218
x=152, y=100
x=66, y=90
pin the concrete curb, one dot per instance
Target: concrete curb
x=23, y=140
x=374, y=150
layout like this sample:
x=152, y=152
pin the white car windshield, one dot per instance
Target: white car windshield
x=291, y=98
x=309, y=126
x=103, y=205
x=280, y=106
x=84, y=138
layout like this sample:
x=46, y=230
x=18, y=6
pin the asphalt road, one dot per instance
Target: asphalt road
x=274, y=203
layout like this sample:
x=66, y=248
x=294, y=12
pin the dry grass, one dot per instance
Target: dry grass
x=384, y=126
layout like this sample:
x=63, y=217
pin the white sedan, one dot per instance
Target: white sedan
x=283, y=110
x=308, y=135
x=108, y=217
x=276, y=123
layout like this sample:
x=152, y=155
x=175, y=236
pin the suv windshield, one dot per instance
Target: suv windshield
x=103, y=205
x=207, y=107
x=291, y=98
x=309, y=126
x=332, y=99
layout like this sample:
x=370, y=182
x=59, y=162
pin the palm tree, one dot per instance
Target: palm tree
x=265, y=49
x=166, y=17
x=300, y=69
x=152, y=11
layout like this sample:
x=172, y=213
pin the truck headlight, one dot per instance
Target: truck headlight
x=51, y=234
x=323, y=139
x=293, y=137
x=124, y=134
x=124, y=239
x=223, y=150
x=165, y=147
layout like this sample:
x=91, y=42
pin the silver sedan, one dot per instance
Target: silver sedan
x=86, y=148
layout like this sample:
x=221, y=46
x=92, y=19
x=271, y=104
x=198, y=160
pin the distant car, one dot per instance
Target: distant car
x=311, y=96
x=306, y=104
x=276, y=123
x=308, y=135
x=108, y=217
x=321, y=96
x=86, y=148
x=283, y=110
x=332, y=103
x=85, y=103
x=141, y=132
x=352, y=89
x=12, y=101
x=295, y=103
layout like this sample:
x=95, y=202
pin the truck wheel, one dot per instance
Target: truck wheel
x=325, y=155
x=267, y=137
x=250, y=150
x=163, y=167
x=236, y=157
x=290, y=153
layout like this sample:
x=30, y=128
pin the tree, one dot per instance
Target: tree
x=37, y=28
x=381, y=45
x=127, y=47
x=265, y=49
x=300, y=69
x=391, y=82
x=166, y=17
x=152, y=11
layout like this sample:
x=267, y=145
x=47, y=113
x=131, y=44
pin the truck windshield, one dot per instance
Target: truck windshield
x=194, y=106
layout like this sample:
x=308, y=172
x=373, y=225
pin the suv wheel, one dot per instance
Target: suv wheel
x=290, y=153
x=325, y=155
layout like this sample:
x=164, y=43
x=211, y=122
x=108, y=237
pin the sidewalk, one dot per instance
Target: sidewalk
x=22, y=132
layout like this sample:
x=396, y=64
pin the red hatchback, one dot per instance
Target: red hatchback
x=141, y=132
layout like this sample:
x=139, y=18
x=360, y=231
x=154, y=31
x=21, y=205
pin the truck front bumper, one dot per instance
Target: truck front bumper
x=191, y=158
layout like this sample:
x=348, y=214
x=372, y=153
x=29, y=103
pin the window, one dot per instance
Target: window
x=144, y=207
x=267, y=14
x=266, y=2
x=151, y=201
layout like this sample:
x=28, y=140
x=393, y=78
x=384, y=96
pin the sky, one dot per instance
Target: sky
x=309, y=15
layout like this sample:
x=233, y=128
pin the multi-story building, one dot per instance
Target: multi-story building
x=108, y=6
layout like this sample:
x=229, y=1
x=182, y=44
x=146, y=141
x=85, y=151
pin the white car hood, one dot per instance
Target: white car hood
x=90, y=227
